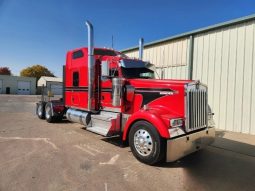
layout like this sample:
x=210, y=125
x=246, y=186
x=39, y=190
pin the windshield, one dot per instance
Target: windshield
x=144, y=73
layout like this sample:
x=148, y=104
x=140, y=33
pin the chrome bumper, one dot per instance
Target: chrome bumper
x=182, y=146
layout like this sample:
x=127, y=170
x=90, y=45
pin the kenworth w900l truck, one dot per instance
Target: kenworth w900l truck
x=114, y=95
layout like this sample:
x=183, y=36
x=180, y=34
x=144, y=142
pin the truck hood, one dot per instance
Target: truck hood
x=165, y=97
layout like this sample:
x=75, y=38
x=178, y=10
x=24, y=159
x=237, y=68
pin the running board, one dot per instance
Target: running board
x=98, y=130
x=105, y=123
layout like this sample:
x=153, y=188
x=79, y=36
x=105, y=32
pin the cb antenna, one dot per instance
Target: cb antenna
x=112, y=41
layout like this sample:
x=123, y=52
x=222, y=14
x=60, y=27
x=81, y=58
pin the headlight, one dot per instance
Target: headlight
x=176, y=122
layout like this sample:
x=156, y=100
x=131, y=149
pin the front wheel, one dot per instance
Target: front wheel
x=146, y=144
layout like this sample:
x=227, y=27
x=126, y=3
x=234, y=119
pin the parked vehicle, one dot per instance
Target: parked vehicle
x=114, y=95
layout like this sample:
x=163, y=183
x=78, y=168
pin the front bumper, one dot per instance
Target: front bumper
x=187, y=144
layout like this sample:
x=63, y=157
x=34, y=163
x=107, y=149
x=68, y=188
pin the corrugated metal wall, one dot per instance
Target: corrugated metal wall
x=223, y=59
x=170, y=58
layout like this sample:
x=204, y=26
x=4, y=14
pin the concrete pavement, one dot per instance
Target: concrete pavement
x=36, y=155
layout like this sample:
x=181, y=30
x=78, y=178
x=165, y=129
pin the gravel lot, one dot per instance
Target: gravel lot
x=36, y=155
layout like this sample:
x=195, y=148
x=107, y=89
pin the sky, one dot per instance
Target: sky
x=42, y=31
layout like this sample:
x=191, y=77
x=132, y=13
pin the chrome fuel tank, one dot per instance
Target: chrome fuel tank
x=78, y=116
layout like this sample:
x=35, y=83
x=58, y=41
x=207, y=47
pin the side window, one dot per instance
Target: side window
x=114, y=72
x=75, y=78
x=77, y=54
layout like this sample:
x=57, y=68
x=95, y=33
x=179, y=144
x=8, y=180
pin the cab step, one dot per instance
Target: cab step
x=104, y=123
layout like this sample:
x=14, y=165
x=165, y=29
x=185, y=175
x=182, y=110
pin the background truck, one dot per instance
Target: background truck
x=113, y=95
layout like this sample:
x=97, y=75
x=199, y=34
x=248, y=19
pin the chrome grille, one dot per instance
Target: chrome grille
x=196, y=106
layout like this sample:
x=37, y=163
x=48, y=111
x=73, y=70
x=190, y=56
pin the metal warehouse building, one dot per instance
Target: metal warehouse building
x=221, y=56
x=55, y=85
x=17, y=85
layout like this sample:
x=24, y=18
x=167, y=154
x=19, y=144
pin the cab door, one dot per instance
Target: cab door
x=106, y=90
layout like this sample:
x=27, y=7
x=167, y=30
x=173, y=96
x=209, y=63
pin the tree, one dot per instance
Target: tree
x=36, y=71
x=5, y=71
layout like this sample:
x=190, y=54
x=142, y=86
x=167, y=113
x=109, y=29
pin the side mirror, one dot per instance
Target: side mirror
x=105, y=69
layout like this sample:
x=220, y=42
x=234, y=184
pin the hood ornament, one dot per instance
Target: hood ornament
x=197, y=84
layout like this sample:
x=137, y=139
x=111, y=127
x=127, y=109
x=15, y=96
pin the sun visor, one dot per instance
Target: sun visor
x=128, y=63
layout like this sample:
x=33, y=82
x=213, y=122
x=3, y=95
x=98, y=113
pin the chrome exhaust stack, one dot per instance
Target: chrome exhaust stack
x=141, y=42
x=91, y=65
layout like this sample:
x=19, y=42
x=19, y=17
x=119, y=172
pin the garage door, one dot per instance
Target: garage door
x=1, y=86
x=56, y=89
x=23, y=88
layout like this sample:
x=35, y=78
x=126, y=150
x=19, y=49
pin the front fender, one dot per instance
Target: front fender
x=152, y=118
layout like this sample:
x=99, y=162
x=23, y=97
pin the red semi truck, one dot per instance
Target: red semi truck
x=114, y=95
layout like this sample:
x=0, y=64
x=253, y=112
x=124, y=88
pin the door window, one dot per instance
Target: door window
x=76, y=79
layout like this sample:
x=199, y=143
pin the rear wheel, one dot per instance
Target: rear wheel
x=40, y=111
x=146, y=144
x=48, y=114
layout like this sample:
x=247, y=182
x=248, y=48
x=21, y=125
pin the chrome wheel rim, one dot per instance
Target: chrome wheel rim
x=143, y=142
x=39, y=110
x=47, y=112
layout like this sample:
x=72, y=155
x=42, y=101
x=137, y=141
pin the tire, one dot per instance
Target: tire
x=48, y=114
x=58, y=118
x=40, y=111
x=146, y=144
